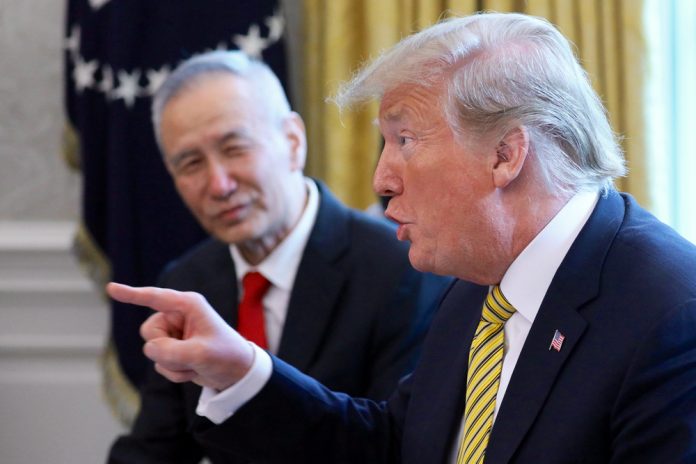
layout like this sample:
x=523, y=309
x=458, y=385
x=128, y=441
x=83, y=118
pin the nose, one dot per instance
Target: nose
x=386, y=181
x=221, y=183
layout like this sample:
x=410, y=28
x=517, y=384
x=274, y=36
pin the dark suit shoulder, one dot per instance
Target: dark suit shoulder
x=196, y=265
x=376, y=238
x=652, y=255
x=341, y=231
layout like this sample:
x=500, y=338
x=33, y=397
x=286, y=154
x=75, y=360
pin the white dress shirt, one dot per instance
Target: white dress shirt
x=280, y=268
x=528, y=278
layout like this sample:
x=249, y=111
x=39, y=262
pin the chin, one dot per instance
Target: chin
x=420, y=262
x=232, y=235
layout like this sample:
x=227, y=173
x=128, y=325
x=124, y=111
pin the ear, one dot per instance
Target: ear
x=511, y=154
x=295, y=132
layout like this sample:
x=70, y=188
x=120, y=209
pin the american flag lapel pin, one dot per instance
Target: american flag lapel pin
x=557, y=341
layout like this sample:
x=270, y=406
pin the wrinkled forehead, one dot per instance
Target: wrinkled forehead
x=411, y=100
x=425, y=107
x=407, y=97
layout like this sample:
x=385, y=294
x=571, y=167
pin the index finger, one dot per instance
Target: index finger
x=160, y=299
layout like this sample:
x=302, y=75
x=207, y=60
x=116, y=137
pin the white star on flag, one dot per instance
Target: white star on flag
x=72, y=43
x=107, y=83
x=252, y=44
x=128, y=87
x=96, y=4
x=83, y=74
x=276, y=24
x=155, y=78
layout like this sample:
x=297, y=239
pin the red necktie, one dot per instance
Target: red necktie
x=251, y=325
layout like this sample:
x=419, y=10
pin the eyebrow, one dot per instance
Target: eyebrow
x=226, y=137
x=394, y=115
x=232, y=135
x=179, y=157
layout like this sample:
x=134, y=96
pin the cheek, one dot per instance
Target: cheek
x=438, y=199
x=189, y=193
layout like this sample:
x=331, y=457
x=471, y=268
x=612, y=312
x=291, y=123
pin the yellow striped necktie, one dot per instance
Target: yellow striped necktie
x=483, y=377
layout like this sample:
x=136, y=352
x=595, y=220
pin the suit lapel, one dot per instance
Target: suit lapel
x=219, y=284
x=575, y=283
x=534, y=375
x=440, y=381
x=317, y=285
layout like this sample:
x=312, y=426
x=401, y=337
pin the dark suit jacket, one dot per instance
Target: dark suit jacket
x=356, y=319
x=622, y=389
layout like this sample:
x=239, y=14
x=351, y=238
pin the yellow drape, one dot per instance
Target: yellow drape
x=341, y=34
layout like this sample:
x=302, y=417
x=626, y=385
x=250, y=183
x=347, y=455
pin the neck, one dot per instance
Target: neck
x=526, y=220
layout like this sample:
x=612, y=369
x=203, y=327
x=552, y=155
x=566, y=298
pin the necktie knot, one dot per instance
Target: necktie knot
x=497, y=309
x=255, y=285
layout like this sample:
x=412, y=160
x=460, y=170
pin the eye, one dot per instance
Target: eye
x=234, y=150
x=403, y=140
x=187, y=163
x=230, y=151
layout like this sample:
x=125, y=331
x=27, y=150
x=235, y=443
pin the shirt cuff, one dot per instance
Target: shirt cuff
x=220, y=406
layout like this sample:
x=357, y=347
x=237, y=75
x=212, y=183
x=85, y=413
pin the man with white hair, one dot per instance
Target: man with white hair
x=571, y=334
x=322, y=286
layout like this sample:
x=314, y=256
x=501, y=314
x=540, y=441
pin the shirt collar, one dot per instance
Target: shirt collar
x=529, y=276
x=280, y=266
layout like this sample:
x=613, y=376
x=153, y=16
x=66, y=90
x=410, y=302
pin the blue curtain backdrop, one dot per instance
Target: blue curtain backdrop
x=116, y=54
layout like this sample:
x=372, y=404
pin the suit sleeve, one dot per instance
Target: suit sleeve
x=402, y=326
x=295, y=419
x=655, y=415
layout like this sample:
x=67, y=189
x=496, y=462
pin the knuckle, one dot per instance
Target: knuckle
x=197, y=298
x=192, y=299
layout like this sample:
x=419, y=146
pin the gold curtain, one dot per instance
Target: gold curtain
x=341, y=34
